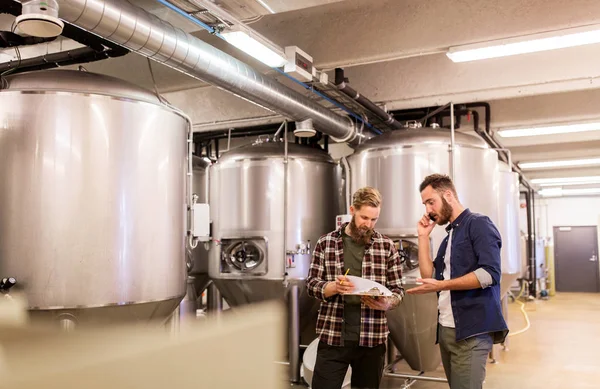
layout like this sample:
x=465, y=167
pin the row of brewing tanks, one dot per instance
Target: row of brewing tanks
x=97, y=178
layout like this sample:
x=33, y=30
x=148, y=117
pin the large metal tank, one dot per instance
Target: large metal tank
x=92, y=201
x=396, y=163
x=508, y=225
x=266, y=222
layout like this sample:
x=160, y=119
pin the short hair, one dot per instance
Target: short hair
x=439, y=183
x=366, y=196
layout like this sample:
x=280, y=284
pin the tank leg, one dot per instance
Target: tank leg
x=505, y=314
x=214, y=302
x=67, y=324
x=172, y=323
x=294, y=333
x=391, y=354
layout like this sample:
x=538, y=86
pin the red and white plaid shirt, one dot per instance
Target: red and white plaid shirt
x=381, y=263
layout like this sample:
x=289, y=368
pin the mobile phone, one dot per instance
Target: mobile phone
x=431, y=217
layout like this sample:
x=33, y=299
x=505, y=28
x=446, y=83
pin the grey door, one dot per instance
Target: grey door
x=576, y=259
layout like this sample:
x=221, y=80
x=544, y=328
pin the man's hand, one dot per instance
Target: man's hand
x=341, y=286
x=425, y=226
x=429, y=285
x=383, y=303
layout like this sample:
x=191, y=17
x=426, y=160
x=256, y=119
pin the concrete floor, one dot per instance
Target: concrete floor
x=560, y=350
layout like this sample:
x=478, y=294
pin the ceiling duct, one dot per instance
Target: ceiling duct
x=147, y=35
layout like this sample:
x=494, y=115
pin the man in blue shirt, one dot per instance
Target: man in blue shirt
x=466, y=275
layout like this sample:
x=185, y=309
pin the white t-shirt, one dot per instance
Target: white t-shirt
x=446, y=316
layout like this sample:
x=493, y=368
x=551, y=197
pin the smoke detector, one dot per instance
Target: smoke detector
x=305, y=129
x=39, y=18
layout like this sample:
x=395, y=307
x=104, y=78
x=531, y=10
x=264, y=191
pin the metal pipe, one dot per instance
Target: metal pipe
x=235, y=134
x=347, y=197
x=414, y=377
x=433, y=113
x=294, y=335
x=62, y=58
x=533, y=288
x=340, y=83
x=285, y=196
x=214, y=302
x=452, y=141
x=144, y=33
x=388, y=371
x=279, y=130
x=508, y=155
x=493, y=143
x=237, y=123
x=530, y=238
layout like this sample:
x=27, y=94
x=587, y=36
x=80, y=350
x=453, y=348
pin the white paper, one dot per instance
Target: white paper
x=362, y=286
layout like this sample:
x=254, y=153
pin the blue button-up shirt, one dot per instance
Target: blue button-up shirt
x=476, y=244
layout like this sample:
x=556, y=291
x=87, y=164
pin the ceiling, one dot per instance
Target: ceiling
x=393, y=52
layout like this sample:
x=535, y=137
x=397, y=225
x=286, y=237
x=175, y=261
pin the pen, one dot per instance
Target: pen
x=341, y=282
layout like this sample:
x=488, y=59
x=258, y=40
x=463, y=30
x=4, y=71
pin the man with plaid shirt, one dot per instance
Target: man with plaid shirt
x=353, y=329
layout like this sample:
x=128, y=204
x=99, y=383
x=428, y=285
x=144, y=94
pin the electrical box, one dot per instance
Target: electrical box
x=299, y=64
x=341, y=219
x=201, y=222
x=323, y=78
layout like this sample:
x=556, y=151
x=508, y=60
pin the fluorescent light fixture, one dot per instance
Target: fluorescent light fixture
x=566, y=181
x=549, y=130
x=563, y=163
x=264, y=4
x=570, y=37
x=256, y=49
x=557, y=192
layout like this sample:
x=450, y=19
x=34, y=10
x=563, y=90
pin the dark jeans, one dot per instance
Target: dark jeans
x=464, y=361
x=332, y=363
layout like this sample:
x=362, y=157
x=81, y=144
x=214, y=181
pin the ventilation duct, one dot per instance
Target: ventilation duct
x=147, y=35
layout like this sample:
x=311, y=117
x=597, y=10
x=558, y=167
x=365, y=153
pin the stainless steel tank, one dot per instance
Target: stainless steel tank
x=266, y=221
x=92, y=201
x=508, y=225
x=396, y=163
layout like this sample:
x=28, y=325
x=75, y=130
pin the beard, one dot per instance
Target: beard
x=445, y=214
x=362, y=234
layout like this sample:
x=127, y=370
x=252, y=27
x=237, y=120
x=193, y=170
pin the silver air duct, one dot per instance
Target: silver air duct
x=141, y=32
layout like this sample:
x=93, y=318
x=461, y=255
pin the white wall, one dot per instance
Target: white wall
x=566, y=211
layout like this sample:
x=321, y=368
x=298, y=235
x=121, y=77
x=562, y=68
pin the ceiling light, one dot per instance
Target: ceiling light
x=563, y=163
x=549, y=130
x=566, y=181
x=254, y=48
x=570, y=37
x=557, y=192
